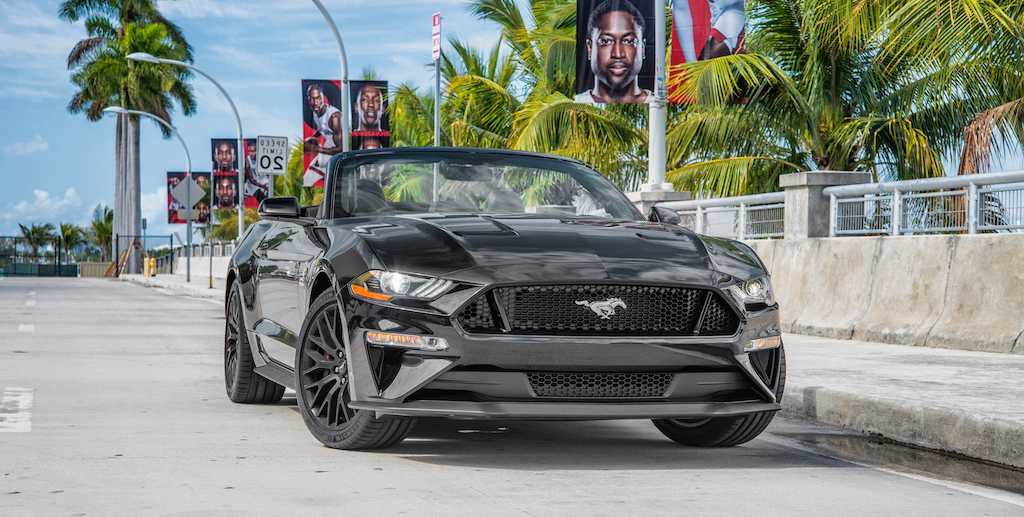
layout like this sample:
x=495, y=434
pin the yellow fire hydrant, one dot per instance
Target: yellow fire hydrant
x=149, y=267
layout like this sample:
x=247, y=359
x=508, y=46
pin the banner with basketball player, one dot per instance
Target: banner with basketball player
x=321, y=128
x=614, y=51
x=370, y=125
x=701, y=30
x=202, y=206
x=225, y=174
x=257, y=186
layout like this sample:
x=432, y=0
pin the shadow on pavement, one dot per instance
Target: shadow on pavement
x=591, y=445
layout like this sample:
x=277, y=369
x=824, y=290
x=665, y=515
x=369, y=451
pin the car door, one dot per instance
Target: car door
x=282, y=258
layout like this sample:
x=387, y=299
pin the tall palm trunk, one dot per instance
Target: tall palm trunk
x=119, y=168
x=133, y=196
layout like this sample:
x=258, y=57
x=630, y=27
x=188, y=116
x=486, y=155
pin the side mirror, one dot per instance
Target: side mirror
x=661, y=214
x=280, y=207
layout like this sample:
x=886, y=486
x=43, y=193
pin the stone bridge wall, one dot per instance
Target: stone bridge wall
x=948, y=291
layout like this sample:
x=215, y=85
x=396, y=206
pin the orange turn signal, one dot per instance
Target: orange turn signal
x=363, y=292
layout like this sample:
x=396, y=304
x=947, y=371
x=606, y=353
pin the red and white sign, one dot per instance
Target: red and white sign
x=436, y=36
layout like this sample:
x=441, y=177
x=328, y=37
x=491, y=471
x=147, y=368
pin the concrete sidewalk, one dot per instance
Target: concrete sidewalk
x=199, y=287
x=970, y=403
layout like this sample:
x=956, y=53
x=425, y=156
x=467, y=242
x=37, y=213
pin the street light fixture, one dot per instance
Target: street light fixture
x=346, y=103
x=149, y=58
x=117, y=110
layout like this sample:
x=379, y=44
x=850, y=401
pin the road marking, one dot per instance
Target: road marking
x=30, y=303
x=27, y=328
x=16, y=410
x=31, y=293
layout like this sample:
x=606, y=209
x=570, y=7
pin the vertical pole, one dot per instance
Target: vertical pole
x=658, y=110
x=117, y=256
x=437, y=91
x=833, y=215
x=435, y=34
x=897, y=212
x=700, y=220
x=742, y=216
x=241, y=182
x=346, y=108
x=972, y=208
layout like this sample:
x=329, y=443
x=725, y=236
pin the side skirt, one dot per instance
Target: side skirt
x=278, y=374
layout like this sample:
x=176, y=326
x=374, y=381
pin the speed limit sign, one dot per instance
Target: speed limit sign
x=271, y=154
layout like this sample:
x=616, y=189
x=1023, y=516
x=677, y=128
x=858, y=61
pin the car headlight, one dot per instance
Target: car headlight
x=758, y=290
x=383, y=286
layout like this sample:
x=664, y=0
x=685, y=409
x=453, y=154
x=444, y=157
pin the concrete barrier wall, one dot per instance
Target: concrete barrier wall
x=201, y=266
x=948, y=291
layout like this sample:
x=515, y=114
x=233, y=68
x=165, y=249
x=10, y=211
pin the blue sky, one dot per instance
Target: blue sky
x=56, y=166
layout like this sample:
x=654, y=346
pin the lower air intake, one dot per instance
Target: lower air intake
x=572, y=385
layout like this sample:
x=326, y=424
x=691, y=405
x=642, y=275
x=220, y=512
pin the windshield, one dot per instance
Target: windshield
x=474, y=183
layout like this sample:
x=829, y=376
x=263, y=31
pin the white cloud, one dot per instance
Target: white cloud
x=204, y=9
x=44, y=207
x=37, y=144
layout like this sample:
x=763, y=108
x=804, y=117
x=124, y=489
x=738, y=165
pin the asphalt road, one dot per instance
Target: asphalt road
x=113, y=404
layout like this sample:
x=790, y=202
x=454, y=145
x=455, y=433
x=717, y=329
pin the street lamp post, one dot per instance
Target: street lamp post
x=188, y=174
x=346, y=103
x=658, y=109
x=149, y=58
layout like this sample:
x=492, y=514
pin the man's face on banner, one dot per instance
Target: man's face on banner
x=369, y=106
x=616, y=50
x=225, y=156
x=316, y=100
x=226, y=191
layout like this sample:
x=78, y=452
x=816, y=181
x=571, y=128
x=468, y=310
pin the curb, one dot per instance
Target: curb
x=194, y=290
x=945, y=429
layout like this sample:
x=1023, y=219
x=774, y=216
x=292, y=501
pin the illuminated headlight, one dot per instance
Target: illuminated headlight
x=431, y=344
x=763, y=343
x=383, y=286
x=758, y=290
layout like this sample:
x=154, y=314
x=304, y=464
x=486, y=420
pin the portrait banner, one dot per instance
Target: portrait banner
x=321, y=128
x=224, y=160
x=257, y=186
x=202, y=205
x=701, y=30
x=370, y=122
x=614, y=51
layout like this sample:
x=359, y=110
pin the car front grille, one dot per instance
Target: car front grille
x=599, y=385
x=600, y=310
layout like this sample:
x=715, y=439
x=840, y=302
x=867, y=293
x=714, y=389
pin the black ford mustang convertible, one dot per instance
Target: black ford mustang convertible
x=468, y=283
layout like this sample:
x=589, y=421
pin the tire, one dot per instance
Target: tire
x=724, y=431
x=322, y=378
x=242, y=383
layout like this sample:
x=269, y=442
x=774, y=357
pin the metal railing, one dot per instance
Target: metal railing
x=206, y=249
x=759, y=216
x=980, y=203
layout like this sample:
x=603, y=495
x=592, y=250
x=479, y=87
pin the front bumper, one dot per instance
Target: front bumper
x=487, y=376
x=564, y=410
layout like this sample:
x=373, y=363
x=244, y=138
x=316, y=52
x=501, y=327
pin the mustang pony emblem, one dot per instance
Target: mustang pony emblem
x=603, y=308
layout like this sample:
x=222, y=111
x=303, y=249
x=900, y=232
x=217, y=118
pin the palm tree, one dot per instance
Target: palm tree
x=37, y=236
x=830, y=85
x=519, y=95
x=103, y=76
x=973, y=31
x=71, y=237
x=101, y=230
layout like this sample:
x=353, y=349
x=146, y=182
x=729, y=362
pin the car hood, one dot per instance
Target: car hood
x=537, y=248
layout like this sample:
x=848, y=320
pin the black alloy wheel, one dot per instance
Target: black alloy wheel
x=241, y=382
x=323, y=379
x=323, y=371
